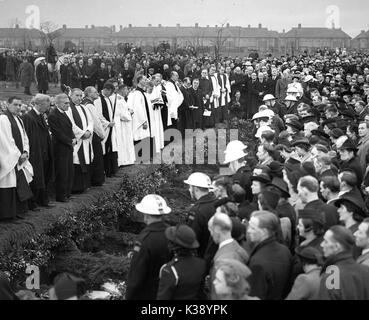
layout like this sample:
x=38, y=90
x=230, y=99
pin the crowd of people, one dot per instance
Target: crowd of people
x=295, y=203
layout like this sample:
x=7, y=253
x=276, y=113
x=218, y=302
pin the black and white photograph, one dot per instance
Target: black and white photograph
x=195, y=151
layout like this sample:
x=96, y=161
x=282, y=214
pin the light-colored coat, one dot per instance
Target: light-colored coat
x=306, y=286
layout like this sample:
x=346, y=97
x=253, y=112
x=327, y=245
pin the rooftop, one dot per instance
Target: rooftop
x=313, y=32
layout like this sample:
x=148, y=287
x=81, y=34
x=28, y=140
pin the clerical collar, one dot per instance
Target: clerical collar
x=60, y=110
x=37, y=112
x=225, y=242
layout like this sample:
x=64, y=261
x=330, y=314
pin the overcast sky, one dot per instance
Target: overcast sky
x=276, y=15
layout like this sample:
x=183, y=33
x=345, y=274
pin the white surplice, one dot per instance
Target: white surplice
x=136, y=102
x=215, y=94
x=9, y=154
x=175, y=99
x=110, y=103
x=123, y=127
x=87, y=125
x=157, y=130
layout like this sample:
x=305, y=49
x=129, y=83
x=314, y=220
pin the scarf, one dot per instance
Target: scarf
x=23, y=190
x=78, y=122
x=15, y=130
x=146, y=107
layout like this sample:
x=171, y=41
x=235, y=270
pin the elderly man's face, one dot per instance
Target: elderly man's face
x=76, y=97
x=363, y=130
x=361, y=236
x=329, y=245
x=254, y=232
x=63, y=103
x=358, y=107
x=44, y=106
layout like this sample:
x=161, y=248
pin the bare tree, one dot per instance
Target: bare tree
x=219, y=40
x=14, y=22
x=50, y=32
x=197, y=37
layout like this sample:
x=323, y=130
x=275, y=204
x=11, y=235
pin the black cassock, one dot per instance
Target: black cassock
x=14, y=201
x=62, y=136
x=82, y=179
x=206, y=88
x=41, y=156
x=97, y=172
x=196, y=114
x=110, y=156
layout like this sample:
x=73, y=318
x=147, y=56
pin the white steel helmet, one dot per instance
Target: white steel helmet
x=234, y=151
x=268, y=97
x=263, y=129
x=292, y=89
x=234, y=155
x=235, y=145
x=290, y=98
x=199, y=179
x=153, y=204
x=266, y=113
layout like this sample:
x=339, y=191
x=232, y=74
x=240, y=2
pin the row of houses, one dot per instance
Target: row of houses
x=229, y=38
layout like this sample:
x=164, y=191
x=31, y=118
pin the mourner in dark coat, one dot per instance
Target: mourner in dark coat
x=270, y=262
x=342, y=278
x=199, y=216
x=197, y=99
x=26, y=75
x=63, y=141
x=257, y=90
x=41, y=153
x=42, y=77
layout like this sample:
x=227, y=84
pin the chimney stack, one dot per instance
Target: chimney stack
x=207, y=26
x=284, y=30
x=113, y=28
x=299, y=25
x=149, y=25
x=64, y=26
x=92, y=26
x=120, y=28
x=260, y=25
x=362, y=31
x=196, y=25
x=249, y=26
x=216, y=26
x=159, y=25
x=130, y=26
x=228, y=25
x=17, y=26
x=178, y=25
x=86, y=26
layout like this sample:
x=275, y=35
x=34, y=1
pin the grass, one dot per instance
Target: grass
x=10, y=89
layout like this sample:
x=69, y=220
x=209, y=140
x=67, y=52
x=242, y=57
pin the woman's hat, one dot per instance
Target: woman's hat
x=310, y=254
x=353, y=199
x=281, y=185
x=262, y=177
x=182, y=235
x=313, y=215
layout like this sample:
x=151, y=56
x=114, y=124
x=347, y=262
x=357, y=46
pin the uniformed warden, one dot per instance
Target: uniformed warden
x=203, y=209
x=150, y=251
x=183, y=277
